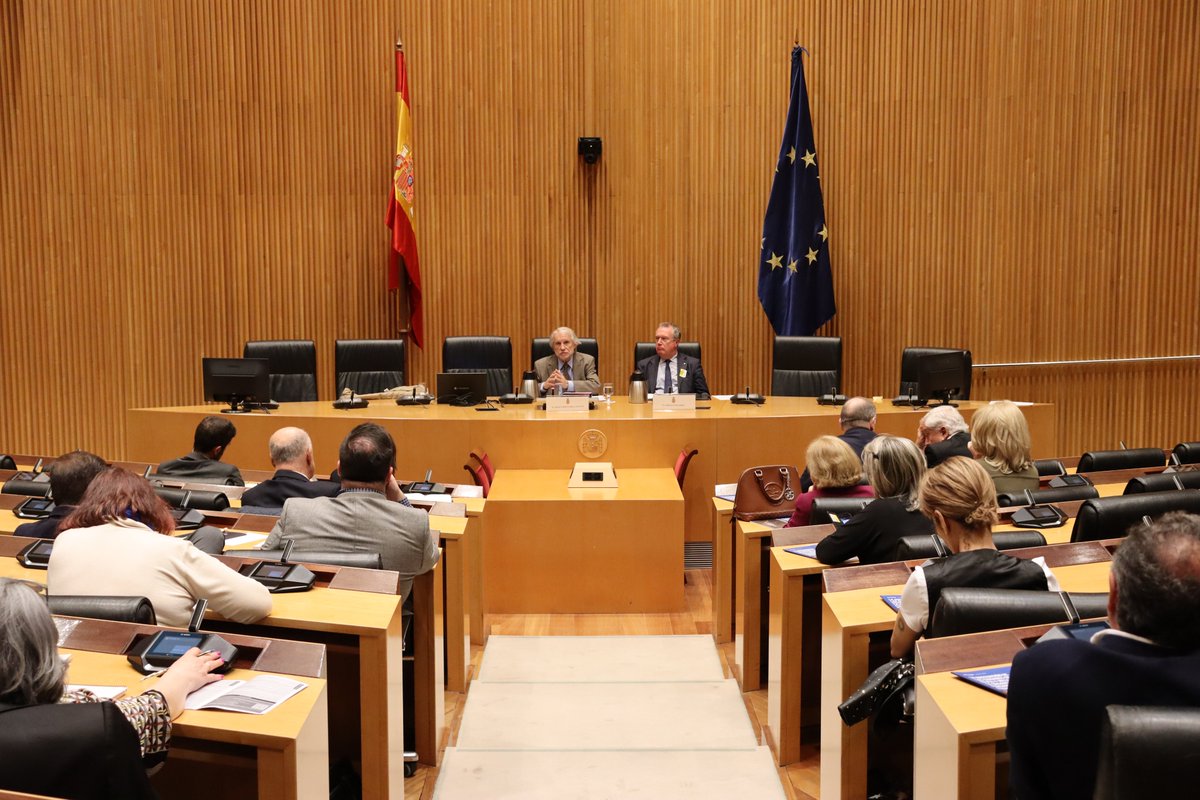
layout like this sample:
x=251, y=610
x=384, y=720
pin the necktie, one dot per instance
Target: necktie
x=666, y=377
x=566, y=370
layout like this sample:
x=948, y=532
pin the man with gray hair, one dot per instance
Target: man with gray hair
x=942, y=434
x=670, y=371
x=857, y=419
x=292, y=456
x=567, y=370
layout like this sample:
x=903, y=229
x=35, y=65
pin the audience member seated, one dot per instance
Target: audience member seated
x=369, y=515
x=858, y=427
x=958, y=496
x=836, y=472
x=671, y=371
x=894, y=467
x=73, y=744
x=567, y=369
x=70, y=476
x=118, y=541
x=942, y=433
x=203, y=464
x=1000, y=440
x=291, y=454
x=1058, y=690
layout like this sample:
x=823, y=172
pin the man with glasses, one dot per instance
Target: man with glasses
x=671, y=371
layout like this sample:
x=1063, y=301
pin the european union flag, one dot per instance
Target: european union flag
x=795, y=280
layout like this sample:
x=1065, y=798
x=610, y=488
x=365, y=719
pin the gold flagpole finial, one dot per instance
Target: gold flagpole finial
x=399, y=44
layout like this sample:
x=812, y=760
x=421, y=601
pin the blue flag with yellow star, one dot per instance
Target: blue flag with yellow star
x=795, y=280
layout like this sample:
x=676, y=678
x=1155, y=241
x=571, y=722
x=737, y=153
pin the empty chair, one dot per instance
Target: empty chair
x=119, y=609
x=363, y=560
x=806, y=366
x=910, y=360
x=643, y=350
x=1111, y=517
x=1057, y=494
x=292, y=364
x=480, y=476
x=368, y=365
x=826, y=510
x=540, y=348
x=1049, y=466
x=681, y=464
x=1186, y=453
x=1104, y=460
x=486, y=462
x=27, y=488
x=488, y=354
x=910, y=548
x=962, y=610
x=7, y=462
x=1163, y=482
x=1148, y=751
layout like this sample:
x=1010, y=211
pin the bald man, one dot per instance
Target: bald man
x=857, y=419
x=292, y=456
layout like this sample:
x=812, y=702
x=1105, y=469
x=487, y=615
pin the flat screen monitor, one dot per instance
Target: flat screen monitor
x=461, y=388
x=236, y=381
x=943, y=375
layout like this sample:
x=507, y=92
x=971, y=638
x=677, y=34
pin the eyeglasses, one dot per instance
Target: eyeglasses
x=664, y=338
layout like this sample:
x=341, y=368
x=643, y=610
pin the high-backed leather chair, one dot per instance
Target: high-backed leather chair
x=368, y=365
x=1057, y=494
x=112, y=607
x=1103, y=460
x=806, y=366
x=360, y=560
x=826, y=510
x=962, y=610
x=490, y=354
x=1049, y=466
x=540, y=348
x=1148, y=751
x=7, y=462
x=1187, y=452
x=646, y=349
x=1162, y=482
x=1111, y=517
x=191, y=498
x=292, y=364
x=922, y=545
x=910, y=361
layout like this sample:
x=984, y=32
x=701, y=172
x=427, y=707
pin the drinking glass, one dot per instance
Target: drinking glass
x=607, y=391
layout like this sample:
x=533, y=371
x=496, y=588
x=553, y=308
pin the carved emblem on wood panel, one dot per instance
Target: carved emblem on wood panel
x=593, y=443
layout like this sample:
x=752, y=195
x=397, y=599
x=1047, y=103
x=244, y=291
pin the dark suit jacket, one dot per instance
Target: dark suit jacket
x=949, y=447
x=1057, y=695
x=583, y=371
x=691, y=378
x=46, y=528
x=286, y=483
x=857, y=438
x=200, y=468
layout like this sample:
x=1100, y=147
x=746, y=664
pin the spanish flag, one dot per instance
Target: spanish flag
x=400, y=206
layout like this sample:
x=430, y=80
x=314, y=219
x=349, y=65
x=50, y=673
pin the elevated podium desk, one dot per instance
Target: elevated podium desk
x=729, y=437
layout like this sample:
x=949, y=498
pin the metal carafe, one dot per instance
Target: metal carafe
x=637, y=387
x=529, y=383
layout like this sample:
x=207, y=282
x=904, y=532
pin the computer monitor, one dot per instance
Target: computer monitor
x=461, y=388
x=236, y=381
x=942, y=376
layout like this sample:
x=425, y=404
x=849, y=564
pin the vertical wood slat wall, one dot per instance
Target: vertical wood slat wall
x=1018, y=178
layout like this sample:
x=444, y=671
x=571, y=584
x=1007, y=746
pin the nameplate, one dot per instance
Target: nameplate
x=567, y=403
x=674, y=402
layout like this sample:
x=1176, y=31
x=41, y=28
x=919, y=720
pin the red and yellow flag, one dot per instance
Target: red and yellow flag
x=400, y=206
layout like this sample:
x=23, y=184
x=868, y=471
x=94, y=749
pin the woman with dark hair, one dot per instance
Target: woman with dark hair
x=118, y=542
x=112, y=737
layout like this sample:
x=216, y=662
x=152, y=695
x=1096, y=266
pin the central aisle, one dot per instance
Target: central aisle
x=559, y=717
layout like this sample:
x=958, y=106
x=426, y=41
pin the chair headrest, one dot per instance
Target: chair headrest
x=111, y=607
x=1111, y=517
x=1105, y=460
x=971, y=609
x=360, y=560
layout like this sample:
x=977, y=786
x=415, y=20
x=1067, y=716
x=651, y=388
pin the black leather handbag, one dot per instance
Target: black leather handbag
x=887, y=680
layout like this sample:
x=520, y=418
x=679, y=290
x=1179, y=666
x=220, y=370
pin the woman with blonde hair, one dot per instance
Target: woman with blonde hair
x=960, y=500
x=1000, y=440
x=893, y=466
x=836, y=472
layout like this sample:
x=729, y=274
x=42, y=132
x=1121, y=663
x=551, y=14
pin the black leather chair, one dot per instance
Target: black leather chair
x=118, y=609
x=292, y=364
x=360, y=560
x=806, y=366
x=910, y=359
x=827, y=510
x=191, y=498
x=1049, y=466
x=962, y=610
x=540, y=348
x=26, y=488
x=1148, y=751
x=6, y=462
x=490, y=354
x=1111, y=517
x=1186, y=453
x=1059, y=494
x=1103, y=460
x=922, y=545
x=368, y=365
x=646, y=349
x=1162, y=482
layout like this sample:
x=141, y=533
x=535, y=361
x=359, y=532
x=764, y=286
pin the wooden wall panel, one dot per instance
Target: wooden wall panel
x=1018, y=178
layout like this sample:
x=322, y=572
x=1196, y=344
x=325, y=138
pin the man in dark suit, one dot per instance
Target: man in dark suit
x=369, y=515
x=943, y=434
x=567, y=369
x=671, y=371
x=203, y=464
x=1058, y=690
x=70, y=476
x=857, y=419
x=292, y=456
